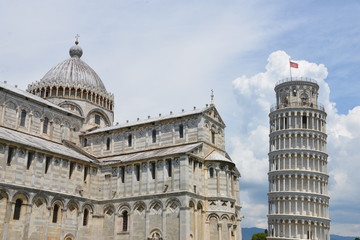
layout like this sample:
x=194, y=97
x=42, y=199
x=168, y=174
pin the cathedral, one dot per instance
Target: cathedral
x=67, y=172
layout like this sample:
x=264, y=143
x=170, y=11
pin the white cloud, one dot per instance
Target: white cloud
x=254, y=95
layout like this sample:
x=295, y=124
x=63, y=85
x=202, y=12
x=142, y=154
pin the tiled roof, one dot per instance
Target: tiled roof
x=156, y=153
x=149, y=120
x=41, y=144
x=216, y=156
x=35, y=98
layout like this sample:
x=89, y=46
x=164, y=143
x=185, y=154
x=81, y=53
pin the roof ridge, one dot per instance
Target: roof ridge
x=150, y=120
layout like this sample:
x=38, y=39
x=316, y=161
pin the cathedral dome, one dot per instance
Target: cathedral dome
x=73, y=79
x=73, y=72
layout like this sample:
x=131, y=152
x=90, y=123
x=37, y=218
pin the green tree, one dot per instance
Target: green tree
x=357, y=238
x=259, y=236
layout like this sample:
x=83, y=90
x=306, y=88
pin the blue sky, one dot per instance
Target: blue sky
x=161, y=56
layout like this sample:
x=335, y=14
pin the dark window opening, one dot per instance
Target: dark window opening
x=55, y=213
x=108, y=142
x=169, y=167
x=71, y=169
x=85, y=142
x=29, y=159
x=86, y=173
x=114, y=171
x=17, y=209
x=154, y=136
x=47, y=164
x=213, y=137
x=130, y=140
x=153, y=168
x=137, y=172
x=23, y=118
x=125, y=221
x=122, y=174
x=97, y=119
x=304, y=121
x=211, y=172
x=45, y=125
x=10, y=155
x=181, y=131
x=86, y=217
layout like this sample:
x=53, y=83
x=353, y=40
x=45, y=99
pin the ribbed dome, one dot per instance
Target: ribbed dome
x=74, y=72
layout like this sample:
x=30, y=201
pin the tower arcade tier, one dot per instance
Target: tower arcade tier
x=298, y=179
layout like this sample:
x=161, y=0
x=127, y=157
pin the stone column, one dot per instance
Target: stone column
x=220, y=230
x=303, y=229
x=217, y=181
x=48, y=220
x=195, y=217
x=147, y=221
x=27, y=220
x=163, y=214
x=184, y=172
x=7, y=217
x=184, y=220
x=289, y=228
x=290, y=212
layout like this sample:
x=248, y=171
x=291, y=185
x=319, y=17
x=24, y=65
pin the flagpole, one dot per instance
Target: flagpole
x=290, y=69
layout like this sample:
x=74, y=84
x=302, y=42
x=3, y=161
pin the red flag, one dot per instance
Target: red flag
x=294, y=65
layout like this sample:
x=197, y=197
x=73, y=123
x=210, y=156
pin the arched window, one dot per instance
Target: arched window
x=86, y=217
x=211, y=172
x=23, y=118
x=137, y=172
x=17, y=209
x=45, y=125
x=30, y=159
x=55, y=213
x=108, y=142
x=125, y=221
x=304, y=121
x=129, y=140
x=86, y=173
x=10, y=156
x=153, y=168
x=47, y=164
x=122, y=174
x=154, y=136
x=60, y=91
x=212, y=137
x=97, y=119
x=71, y=169
x=169, y=167
x=181, y=131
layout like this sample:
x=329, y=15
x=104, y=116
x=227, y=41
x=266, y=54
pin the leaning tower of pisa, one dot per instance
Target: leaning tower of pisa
x=298, y=179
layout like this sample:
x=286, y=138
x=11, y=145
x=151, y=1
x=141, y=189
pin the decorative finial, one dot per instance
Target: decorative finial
x=212, y=96
x=76, y=51
x=77, y=39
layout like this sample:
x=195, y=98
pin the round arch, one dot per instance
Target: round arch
x=69, y=236
x=101, y=112
x=72, y=107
